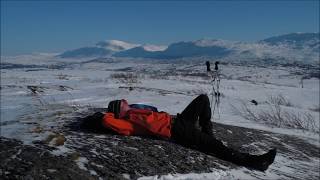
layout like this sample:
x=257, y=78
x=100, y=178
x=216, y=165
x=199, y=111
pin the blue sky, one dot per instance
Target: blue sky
x=55, y=26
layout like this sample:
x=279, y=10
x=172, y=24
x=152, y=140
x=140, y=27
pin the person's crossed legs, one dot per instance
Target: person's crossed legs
x=199, y=111
x=184, y=132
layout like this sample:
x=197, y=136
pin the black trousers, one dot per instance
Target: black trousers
x=185, y=132
x=198, y=114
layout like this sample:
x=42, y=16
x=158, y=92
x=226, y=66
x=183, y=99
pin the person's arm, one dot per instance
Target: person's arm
x=120, y=126
x=157, y=123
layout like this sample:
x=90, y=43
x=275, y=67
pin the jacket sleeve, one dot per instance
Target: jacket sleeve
x=120, y=126
x=156, y=123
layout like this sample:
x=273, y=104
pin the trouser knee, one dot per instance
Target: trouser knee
x=203, y=98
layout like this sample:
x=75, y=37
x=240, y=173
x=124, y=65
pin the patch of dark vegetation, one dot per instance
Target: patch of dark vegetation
x=160, y=91
x=31, y=67
x=11, y=86
x=18, y=66
x=36, y=89
x=64, y=88
x=35, y=69
x=127, y=69
x=99, y=60
x=315, y=109
x=277, y=116
x=126, y=77
x=313, y=74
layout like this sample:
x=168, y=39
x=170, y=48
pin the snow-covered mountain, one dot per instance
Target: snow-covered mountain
x=176, y=50
x=152, y=47
x=116, y=45
x=101, y=49
x=110, y=47
x=292, y=47
x=86, y=52
x=303, y=47
x=296, y=40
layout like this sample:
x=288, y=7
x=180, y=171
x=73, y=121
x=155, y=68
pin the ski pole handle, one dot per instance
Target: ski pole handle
x=216, y=65
x=208, y=66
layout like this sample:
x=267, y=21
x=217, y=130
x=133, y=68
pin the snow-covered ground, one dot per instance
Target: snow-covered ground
x=27, y=93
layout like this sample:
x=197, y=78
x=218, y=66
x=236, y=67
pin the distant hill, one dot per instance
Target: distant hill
x=101, y=49
x=297, y=40
x=177, y=50
x=116, y=45
x=86, y=52
x=293, y=47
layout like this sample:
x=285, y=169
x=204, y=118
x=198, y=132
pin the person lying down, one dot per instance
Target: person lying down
x=140, y=120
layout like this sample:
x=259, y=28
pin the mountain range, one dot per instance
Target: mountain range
x=288, y=47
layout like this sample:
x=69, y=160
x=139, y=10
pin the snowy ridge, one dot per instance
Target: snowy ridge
x=116, y=45
x=264, y=49
x=150, y=47
x=288, y=48
x=216, y=175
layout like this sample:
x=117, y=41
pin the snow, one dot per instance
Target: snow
x=61, y=151
x=81, y=161
x=243, y=50
x=116, y=45
x=126, y=176
x=37, y=59
x=89, y=84
x=92, y=172
x=168, y=86
x=151, y=47
x=216, y=175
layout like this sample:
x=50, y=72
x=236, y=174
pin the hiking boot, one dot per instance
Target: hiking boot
x=262, y=162
x=258, y=162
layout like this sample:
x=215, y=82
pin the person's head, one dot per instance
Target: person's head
x=94, y=122
x=119, y=108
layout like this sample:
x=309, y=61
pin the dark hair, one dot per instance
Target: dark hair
x=93, y=122
x=114, y=107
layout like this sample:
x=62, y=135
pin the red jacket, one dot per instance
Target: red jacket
x=140, y=122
